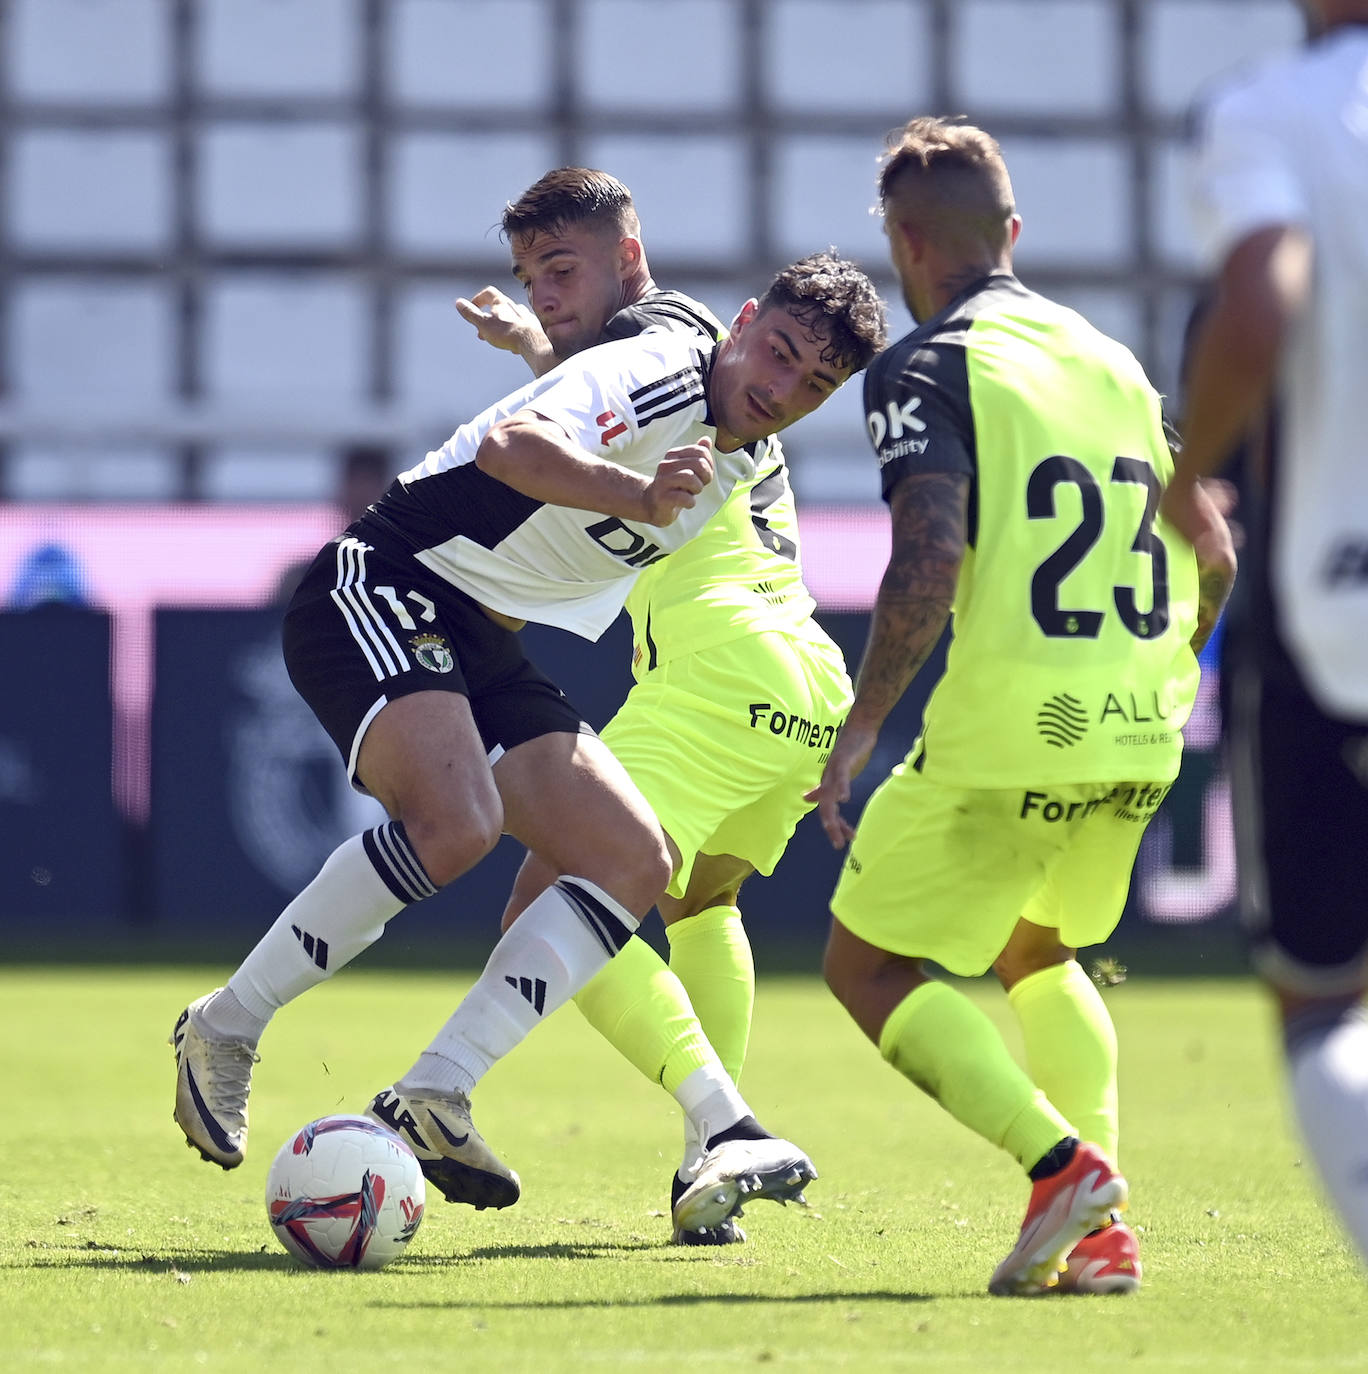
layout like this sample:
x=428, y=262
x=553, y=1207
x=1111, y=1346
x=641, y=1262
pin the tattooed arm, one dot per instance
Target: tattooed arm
x=930, y=528
x=1192, y=508
x=930, y=515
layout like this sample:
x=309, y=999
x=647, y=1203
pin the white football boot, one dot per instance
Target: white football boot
x=740, y=1171
x=455, y=1159
x=213, y=1079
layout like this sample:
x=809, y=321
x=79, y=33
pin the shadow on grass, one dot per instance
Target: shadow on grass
x=181, y=1264
x=93, y=1255
x=558, y=1250
x=662, y=1300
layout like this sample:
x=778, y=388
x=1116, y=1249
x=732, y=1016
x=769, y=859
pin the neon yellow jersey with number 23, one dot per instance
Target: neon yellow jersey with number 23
x=1070, y=657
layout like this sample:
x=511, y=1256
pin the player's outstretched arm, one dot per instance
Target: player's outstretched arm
x=502, y=322
x=535, y=456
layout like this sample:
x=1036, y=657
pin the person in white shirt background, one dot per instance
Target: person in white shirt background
x=1281, y=198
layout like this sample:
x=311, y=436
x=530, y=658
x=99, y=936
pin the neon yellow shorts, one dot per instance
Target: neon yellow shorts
x=724, y=743
x=945, y=873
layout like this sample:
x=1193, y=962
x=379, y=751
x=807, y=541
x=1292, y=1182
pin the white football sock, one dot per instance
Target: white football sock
x=366, y=880
x=693, y=1149
x=710, y=1103
x=1327, y=1052
x=542, y=960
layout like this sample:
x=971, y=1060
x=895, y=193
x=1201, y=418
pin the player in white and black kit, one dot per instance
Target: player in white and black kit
x=402, y=638
x=716, y=628
x=1281, y=191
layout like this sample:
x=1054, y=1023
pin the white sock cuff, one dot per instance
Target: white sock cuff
x=396, y=862
x=710, y=1100
x=605, y=916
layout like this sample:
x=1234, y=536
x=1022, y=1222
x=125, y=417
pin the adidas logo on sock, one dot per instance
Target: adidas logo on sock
x=530, y=989
x=317, y=950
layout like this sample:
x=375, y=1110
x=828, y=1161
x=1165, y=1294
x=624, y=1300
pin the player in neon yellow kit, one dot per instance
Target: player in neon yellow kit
x=738, y=691
x=1022, y=455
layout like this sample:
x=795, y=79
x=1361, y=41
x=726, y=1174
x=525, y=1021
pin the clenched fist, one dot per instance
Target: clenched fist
x=682, y=474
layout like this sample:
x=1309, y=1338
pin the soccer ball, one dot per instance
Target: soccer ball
x=345, y=1192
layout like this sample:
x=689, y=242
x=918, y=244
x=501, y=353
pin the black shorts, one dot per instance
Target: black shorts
x=1300, y=780
x=364, y=629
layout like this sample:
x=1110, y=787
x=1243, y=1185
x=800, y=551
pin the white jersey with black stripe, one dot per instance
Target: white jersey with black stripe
x=629, y=401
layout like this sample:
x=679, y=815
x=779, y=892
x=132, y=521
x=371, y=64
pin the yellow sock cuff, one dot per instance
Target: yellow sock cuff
x=1046, y=982
x=705, y=924
x=925, y=995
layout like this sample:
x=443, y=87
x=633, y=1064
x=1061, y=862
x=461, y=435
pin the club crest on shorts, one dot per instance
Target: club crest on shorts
x=433, y=653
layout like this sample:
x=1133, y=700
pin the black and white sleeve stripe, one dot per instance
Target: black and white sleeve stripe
x=667, y=395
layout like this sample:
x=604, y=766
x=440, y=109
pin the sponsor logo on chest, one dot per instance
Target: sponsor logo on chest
x=899, y=424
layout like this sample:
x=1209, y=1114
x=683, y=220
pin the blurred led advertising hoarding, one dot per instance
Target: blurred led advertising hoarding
x=262, y=756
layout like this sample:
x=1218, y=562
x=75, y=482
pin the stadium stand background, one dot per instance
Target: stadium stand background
x=231, y=231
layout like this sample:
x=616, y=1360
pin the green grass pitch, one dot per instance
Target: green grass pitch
x=122, y=1250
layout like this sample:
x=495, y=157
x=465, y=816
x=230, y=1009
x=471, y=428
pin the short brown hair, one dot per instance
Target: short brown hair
x=568, y=196
x=941, y=168
x=833, y=298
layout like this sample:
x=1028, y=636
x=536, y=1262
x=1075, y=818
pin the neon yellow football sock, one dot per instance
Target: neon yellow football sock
x=643, y=1012
x=1071, y=1048
x=941, y=1041
x=711, y=955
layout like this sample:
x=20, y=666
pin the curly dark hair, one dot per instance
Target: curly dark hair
x=568, y=196
x=833, y=299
